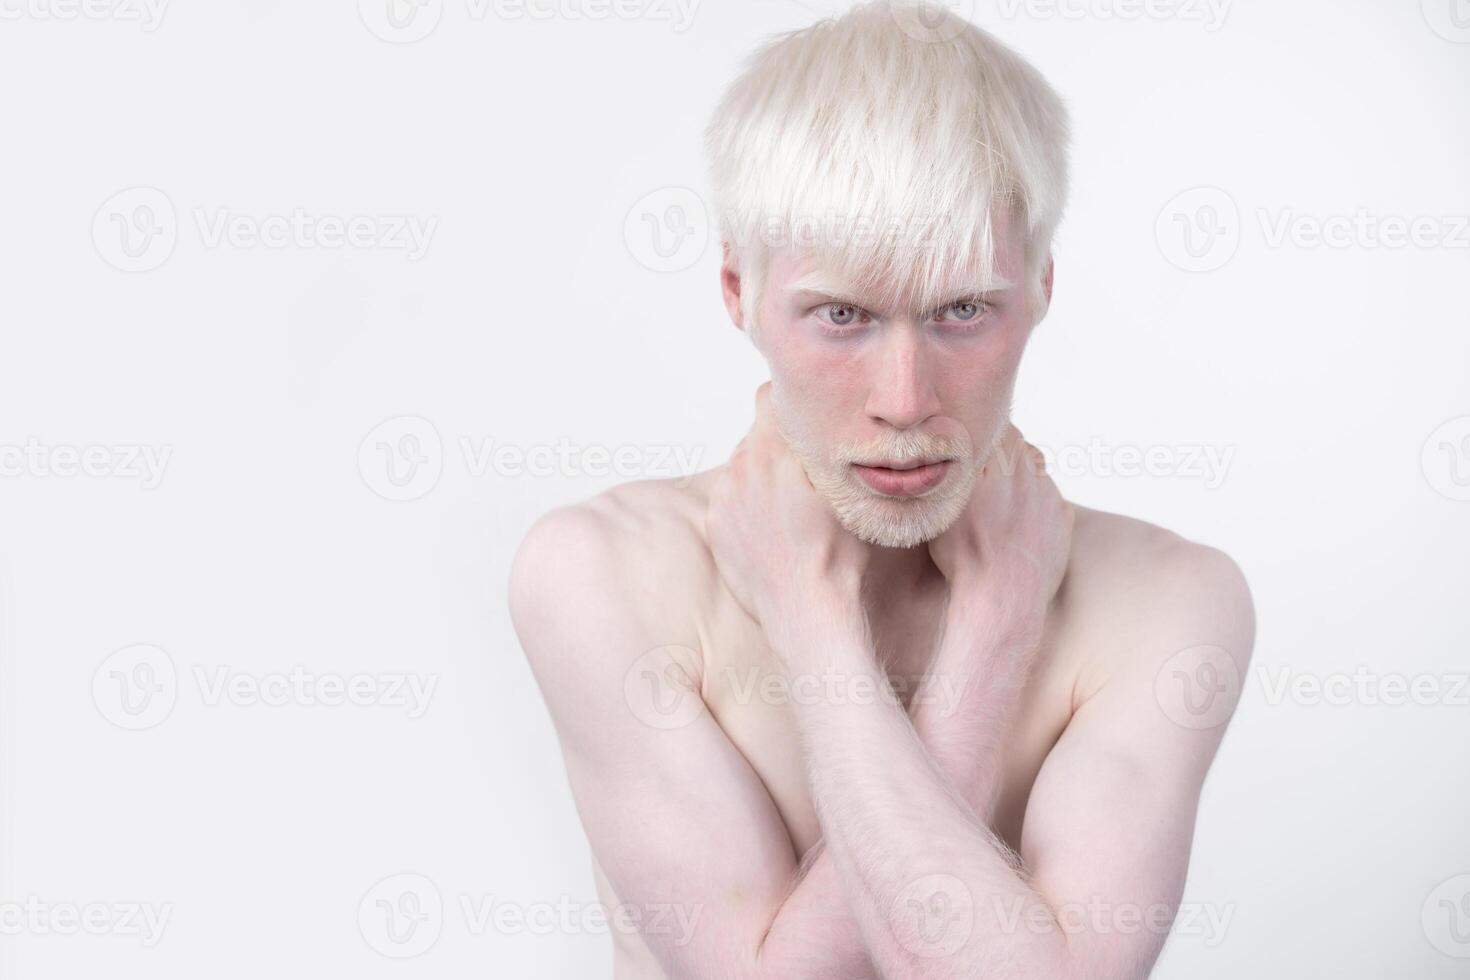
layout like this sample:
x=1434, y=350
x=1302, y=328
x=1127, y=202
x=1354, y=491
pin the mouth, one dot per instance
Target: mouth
x=903, y=478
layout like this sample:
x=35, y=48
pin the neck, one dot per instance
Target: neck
x=895, y=572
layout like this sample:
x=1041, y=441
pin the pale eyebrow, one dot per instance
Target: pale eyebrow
x=837, y=291
x=818, y=282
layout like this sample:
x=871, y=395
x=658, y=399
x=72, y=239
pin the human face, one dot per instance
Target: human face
x=893, y=411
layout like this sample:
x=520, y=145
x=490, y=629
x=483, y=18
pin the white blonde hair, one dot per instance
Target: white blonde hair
x=881, y=139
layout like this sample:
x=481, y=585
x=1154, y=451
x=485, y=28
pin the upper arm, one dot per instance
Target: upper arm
x=1111, y=817
x=681, y=825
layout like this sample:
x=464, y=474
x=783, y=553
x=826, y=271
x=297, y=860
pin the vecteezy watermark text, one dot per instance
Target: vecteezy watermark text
x=147, y=14
x=403, y=915
x=35, y=916
x=403, y=458
x=121, y=461
x=408, y=21
x=137, y=229
x=137, y=687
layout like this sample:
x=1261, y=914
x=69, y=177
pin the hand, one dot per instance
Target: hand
x=776, y=542
x=1007, y=553
x=1004, y=559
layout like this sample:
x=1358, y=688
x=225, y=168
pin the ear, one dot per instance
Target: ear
x=730, y=286
x=1046, y=282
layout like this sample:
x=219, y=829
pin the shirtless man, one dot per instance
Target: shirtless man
x=871, y=699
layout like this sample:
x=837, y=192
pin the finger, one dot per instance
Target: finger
x=1005, y=454
x=764, y=413
x=766, y=431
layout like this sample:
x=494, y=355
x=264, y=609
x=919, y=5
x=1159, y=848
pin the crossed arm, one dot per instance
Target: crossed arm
x=909, y=882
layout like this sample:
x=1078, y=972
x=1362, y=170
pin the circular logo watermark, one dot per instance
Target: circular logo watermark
x=660, y=687
x=401, y=21
x=136, y=687
x=1450, y=19
x=1445, y=917
x=135, y=230
x=667, y=230
x=401, y=916
x=1198, y=687
x=1199, y=229
x=1445, y=459
x=402, y=458
x=933, y=916
x=934, y=22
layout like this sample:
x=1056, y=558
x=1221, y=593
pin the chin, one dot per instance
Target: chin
x=892, y=522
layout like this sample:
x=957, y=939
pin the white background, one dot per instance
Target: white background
x=1329, y=833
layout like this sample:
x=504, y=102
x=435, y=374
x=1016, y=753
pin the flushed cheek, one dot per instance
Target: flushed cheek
x=820, y=385
x=813, y=414
x=978, y=399
x=975, y=380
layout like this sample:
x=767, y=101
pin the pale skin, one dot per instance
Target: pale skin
x=961, y=829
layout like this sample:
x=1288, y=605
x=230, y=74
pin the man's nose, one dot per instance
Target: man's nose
x=903, y=393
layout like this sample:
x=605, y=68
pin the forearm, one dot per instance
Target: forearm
x=964, y=710
x=815, y=935
x=905, y=841
x=956, y=713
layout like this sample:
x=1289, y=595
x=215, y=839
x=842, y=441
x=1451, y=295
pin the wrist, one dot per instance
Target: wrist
x=980, y=606
x=822, y=625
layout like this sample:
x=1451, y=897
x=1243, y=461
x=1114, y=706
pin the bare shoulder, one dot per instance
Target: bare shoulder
x=630, y=559
x=1136, y=590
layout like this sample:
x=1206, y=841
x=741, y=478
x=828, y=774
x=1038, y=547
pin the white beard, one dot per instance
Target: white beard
x=894, y=522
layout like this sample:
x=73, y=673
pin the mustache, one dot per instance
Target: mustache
x=905, y=447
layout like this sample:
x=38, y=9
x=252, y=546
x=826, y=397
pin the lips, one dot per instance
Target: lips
x=904, y=479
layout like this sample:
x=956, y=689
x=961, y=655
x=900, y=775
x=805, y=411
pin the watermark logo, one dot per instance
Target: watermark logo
x=933, y=916
x=1445, y=917
x=1209, y=13
x=660, y=687
x=1363, y=230
x=1198, y=687
x=404, y=915
x=679, y=13
x=1207, y=463
x=933, y=22
x=401, y=916
x=1450, y=19
x=300, y=687
x=407, y=21
x=144, y=921
x=147, y=14
x=402, y=458
x=1199, y=229
x=1445, y=459
x=569, y=459
x=126, y=461
x=401, y=21
x=407, y=233
x=667, y=230
x=135, y=230
x=136, y=687
x=1098, y=917
x=565, y=917
x=1363, y=687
